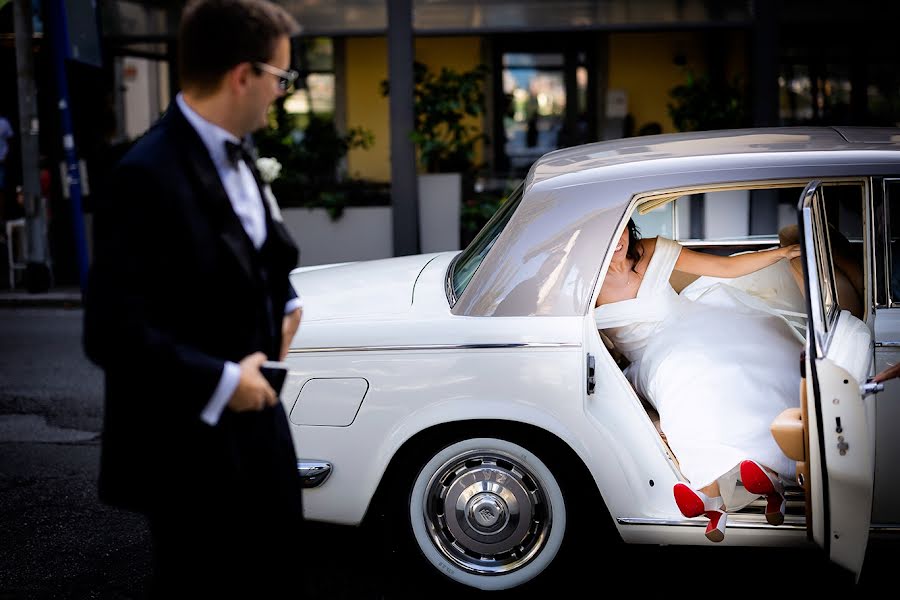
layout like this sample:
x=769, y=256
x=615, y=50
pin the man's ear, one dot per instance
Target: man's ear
x=238, y=77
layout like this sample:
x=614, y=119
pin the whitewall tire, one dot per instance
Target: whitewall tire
x=487, y=513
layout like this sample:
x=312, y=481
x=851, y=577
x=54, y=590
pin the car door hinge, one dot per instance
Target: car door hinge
x=591, y=374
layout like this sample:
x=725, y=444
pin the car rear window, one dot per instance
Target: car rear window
x=467, y=262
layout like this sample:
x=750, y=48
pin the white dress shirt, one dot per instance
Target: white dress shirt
x=243, y=193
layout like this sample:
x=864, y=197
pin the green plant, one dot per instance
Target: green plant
x=479, y=206
x=475, y=211
x=702, y=104
x=442, y=102
x=310, y=158
x=312, y=153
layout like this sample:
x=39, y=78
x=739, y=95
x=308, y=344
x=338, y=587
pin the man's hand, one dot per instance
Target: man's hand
x=889, y=373
x=289, y=326
x=253, y=392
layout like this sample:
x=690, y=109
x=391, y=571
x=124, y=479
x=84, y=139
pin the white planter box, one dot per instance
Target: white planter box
x=362, y=233
x=440, y=195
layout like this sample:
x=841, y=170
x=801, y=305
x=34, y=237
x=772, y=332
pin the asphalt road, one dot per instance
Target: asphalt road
x=58, y=541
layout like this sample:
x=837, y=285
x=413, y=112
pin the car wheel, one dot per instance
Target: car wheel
x=487, y=513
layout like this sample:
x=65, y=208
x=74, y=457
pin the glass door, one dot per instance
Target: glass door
x=543, y=101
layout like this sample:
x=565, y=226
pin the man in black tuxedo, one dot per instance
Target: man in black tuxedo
x=188, y=294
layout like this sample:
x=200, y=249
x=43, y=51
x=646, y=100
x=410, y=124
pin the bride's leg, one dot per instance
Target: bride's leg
x=712, y=490
x=761, y=480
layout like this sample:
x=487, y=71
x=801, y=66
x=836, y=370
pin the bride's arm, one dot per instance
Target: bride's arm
x=699, y=263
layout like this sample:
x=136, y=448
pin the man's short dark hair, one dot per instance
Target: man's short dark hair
x=216, y=35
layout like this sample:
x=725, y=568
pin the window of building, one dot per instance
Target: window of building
x=314, y=92
x=535, y=86
x=811, y=93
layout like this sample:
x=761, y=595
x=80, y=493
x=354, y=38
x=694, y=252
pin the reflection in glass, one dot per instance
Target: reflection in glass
x=535, y=86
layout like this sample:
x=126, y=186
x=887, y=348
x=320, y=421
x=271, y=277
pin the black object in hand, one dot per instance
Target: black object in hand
x=275, y=373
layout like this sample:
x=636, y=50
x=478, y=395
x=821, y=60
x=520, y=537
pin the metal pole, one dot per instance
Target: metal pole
x=60, y=44
x=765, y=63
x=37, y=273
x=404, y=181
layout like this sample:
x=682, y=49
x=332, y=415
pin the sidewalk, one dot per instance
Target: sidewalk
x=60, y=297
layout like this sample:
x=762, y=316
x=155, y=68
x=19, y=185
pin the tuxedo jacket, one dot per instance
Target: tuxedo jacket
x=176, y=288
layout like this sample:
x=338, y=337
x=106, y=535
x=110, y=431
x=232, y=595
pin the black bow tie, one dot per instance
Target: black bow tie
x=240, y=151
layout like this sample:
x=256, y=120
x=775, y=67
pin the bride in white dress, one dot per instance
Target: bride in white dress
x=718, y=368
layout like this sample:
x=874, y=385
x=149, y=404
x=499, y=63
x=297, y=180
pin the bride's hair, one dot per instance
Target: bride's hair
x=634, y=248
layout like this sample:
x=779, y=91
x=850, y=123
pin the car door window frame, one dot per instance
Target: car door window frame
x=825, y=314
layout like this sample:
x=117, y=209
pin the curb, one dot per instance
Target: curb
x=47, y=299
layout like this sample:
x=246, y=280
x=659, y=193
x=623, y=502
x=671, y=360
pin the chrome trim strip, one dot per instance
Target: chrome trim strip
x=313, y=473
x=887, y=344
x=505, y=346
x=769, y=241
x=734, y=521
x=448, y=282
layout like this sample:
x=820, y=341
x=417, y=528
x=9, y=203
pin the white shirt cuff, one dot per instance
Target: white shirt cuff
x=292, y=305
x=231, y=376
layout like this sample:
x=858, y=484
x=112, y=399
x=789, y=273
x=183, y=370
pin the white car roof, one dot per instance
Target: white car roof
x=699, y=145
x=575, y=199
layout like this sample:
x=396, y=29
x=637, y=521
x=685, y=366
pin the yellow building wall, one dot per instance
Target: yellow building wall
x=366, y=68
x=643, y=65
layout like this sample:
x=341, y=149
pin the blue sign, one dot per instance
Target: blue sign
x=83, y=43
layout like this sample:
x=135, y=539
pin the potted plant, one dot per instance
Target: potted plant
x=446, y=140
x=702, y=104
x=310, y=159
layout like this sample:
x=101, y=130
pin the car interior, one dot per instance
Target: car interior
x=844, y=210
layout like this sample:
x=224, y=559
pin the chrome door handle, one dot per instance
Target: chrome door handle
x=869, y=388
x=591, y=374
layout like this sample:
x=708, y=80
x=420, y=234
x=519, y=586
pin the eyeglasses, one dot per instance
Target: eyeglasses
x=285, y=78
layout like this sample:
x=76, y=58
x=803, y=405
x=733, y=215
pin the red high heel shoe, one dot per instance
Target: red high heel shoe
x=715, y=530
x=693, y=503
x=758, y=480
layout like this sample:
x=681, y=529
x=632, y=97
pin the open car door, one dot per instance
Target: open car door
x=839, y=356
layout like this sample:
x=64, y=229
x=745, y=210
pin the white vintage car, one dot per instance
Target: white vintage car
x=470, y=395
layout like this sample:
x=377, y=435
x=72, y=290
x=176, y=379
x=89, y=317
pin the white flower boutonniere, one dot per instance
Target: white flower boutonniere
x=269, y=168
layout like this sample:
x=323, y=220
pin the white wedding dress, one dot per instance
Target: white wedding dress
x=717, y=363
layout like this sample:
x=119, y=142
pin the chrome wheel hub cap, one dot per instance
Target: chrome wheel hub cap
x=486, y=512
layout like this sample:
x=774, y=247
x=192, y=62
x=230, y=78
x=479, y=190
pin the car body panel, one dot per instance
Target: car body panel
x=369, y=288
x=886, y=504
x=394, y=409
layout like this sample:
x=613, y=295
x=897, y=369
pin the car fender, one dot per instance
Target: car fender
x=345, y=497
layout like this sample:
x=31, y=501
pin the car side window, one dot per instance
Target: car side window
x=827, y=286
x=732, y=215
x=726, y=221
x=844, y=210
x=892, y=191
